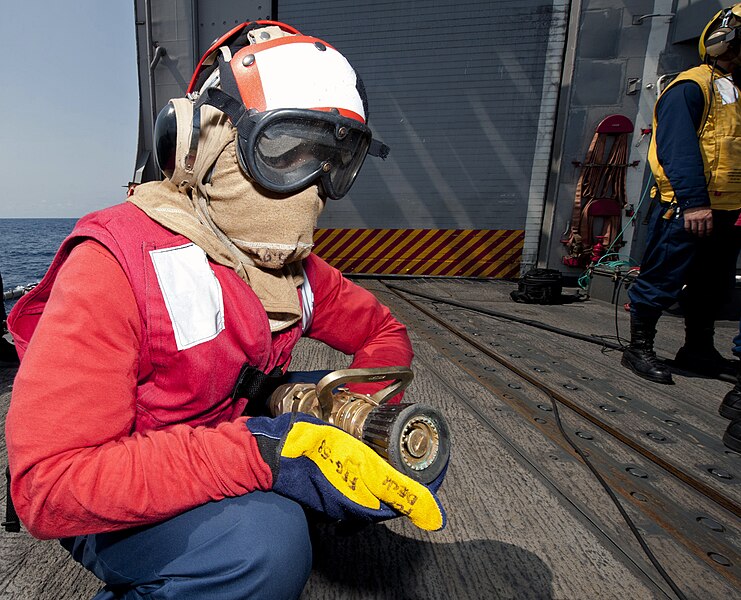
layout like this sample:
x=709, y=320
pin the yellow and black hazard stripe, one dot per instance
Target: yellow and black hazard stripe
x=490, y=253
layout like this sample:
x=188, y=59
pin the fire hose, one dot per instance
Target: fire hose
x=414, y=438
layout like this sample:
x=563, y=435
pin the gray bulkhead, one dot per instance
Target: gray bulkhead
x=485, y=103
x=619, y=56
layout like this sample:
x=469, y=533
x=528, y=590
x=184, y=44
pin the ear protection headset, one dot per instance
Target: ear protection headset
x=722, y=34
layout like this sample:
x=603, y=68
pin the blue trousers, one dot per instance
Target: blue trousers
x=252, y=546
x=737, y=342
x=674, y=258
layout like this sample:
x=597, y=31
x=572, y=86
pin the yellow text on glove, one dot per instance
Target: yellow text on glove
x=360, y=474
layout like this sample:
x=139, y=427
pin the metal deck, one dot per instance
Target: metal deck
x=527, y=518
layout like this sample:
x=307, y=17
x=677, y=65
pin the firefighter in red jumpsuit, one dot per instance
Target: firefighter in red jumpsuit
x=125, y=433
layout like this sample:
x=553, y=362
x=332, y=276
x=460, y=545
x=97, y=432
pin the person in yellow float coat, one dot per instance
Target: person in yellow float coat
x=693, y=241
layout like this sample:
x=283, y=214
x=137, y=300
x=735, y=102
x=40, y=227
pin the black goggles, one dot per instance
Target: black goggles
x=287, y=149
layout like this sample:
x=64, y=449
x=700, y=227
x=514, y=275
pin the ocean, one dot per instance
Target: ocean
x=27, y=247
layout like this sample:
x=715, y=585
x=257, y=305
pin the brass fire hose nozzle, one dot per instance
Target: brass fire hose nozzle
x=414, y=438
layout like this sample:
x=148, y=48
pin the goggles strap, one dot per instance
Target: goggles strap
x=230, y=106
x=378, y=149
x=228, y=81
x=226, y=97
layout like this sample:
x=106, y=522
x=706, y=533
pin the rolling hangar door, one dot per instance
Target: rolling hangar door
x=465, y=95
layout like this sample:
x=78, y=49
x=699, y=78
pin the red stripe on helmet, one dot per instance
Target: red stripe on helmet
x=248, y=80
x=350, y=114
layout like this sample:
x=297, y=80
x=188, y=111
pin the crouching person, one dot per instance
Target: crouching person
x=126, y=438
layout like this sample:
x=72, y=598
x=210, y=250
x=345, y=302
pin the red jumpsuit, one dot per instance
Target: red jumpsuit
x=90, y=442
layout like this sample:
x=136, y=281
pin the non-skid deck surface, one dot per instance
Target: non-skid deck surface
x=526, y=518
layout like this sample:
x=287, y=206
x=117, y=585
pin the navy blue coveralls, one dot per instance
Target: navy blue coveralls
x=674, y=257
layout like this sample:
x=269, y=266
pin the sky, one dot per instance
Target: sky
x=69, y=106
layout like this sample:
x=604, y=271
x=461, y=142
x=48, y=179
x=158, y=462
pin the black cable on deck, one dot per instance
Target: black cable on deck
x=554, y=402
x=626, y=517
x=592, y=339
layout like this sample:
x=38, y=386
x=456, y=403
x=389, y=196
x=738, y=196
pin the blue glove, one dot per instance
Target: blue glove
x=323, y=468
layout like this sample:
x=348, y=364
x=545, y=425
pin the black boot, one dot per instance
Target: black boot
x=699, y=354
x=640, y=357
x=732, y=436
x=730, y=408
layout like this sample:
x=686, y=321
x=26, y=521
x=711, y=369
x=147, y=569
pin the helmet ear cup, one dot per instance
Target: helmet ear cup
x=718, y=42
x=165, y=140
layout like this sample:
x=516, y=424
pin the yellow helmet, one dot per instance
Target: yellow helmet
x=721, y=34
